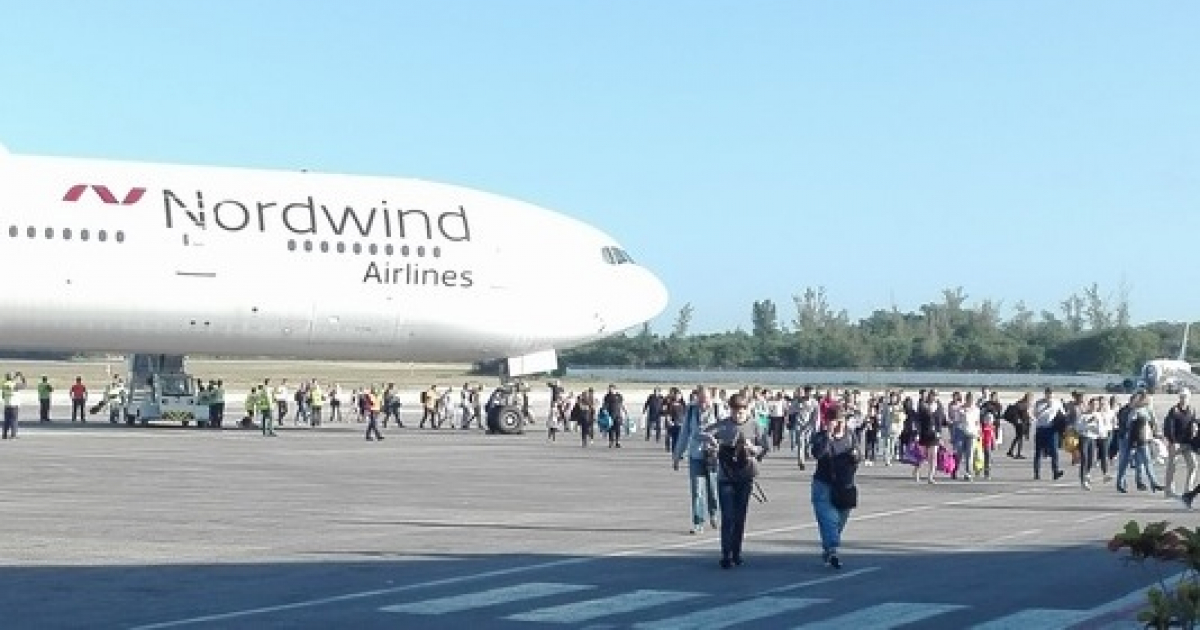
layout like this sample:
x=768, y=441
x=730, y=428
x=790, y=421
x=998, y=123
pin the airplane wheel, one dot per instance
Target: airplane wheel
x=510, y=421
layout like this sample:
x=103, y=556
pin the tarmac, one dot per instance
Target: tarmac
x=110, y=526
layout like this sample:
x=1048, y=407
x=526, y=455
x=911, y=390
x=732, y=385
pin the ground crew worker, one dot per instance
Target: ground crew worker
x=8, y=392
x=265, y=405
x=216, y=403
x=44, y=391
x=114, y=398
x=316, y=402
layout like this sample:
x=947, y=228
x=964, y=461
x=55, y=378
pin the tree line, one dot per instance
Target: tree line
x=1090, y=332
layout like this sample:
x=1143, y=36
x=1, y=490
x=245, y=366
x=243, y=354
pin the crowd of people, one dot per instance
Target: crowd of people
x=722, y=436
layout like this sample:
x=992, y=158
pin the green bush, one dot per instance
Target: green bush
x=1169, y=605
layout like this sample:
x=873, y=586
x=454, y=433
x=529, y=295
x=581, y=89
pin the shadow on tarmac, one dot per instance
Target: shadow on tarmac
x=317, y=591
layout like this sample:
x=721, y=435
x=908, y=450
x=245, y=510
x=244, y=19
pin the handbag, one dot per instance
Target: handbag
x=844, y=497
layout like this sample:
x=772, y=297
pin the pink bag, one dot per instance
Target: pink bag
x=946, y=461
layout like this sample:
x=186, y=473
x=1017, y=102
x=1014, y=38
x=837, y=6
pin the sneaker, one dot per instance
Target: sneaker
x=737, y=561
x=1087, y=485
x=834, y=561
x=697, y=529
x=825, y=556
x=1058, y=474
x=726, y=563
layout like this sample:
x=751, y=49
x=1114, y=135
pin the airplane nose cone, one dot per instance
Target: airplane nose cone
x=643, y=297
x=658, y=297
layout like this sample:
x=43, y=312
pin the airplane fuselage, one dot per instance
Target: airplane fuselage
x=133, y=257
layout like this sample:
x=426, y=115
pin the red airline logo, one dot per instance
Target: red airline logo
x=133, y=196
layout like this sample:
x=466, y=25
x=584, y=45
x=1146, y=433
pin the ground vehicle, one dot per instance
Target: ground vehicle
x=159, y=388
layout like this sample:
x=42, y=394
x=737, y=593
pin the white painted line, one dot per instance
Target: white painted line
x=883, y=616
x=1035, y=619
x=825, y=580
x=580, y=612
x=483, y=599
x=554, y=564
x=731, y=615
x=1028, y=532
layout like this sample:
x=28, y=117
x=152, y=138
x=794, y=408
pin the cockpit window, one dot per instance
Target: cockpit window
x=616, y=256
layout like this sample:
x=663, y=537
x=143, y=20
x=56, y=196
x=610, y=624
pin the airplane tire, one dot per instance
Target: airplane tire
x=510, y=421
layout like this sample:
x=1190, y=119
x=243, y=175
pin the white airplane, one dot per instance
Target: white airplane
x=175, y=260
x=1170, y=375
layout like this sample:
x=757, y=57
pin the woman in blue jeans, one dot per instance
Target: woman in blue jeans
x=837, y=462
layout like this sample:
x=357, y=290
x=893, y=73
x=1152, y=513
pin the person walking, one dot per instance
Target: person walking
x=834, y=493
x=702, y=477
x=1178, y=429
x=738, y=441
x=373, y=407
x=1140, y=432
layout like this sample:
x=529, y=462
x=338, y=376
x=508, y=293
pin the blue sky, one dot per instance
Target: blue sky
x=742, y=150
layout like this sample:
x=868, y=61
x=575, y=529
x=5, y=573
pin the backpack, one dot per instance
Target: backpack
x=1011, y=414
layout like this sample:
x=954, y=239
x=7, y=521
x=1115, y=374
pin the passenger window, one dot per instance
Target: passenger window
x=358, y=248
x=31, y=232
x=13, y=231
x=374, y=249
x=102, y=236
x=388, y=249
x=341, y=248
x=66, y=234
x=324, y=247
x=291, y=245
x=308, y=246
x=120, y=236
x=83, y=235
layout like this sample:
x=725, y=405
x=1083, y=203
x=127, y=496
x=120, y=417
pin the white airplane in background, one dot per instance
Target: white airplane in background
x=172, y=260
x=1170, y=375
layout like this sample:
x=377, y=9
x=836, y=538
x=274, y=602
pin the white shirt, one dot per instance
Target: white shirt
x=1088, y=425
x=1045, y=411
x=1105, y=421
x=969, y=421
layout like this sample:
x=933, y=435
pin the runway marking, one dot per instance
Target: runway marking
x=883, y=616
x=824, y=580
x=580, y=612
x=731, y=615
x=1028, y=532
x=1035, y=619
x=483, y=599
x=555, y=564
